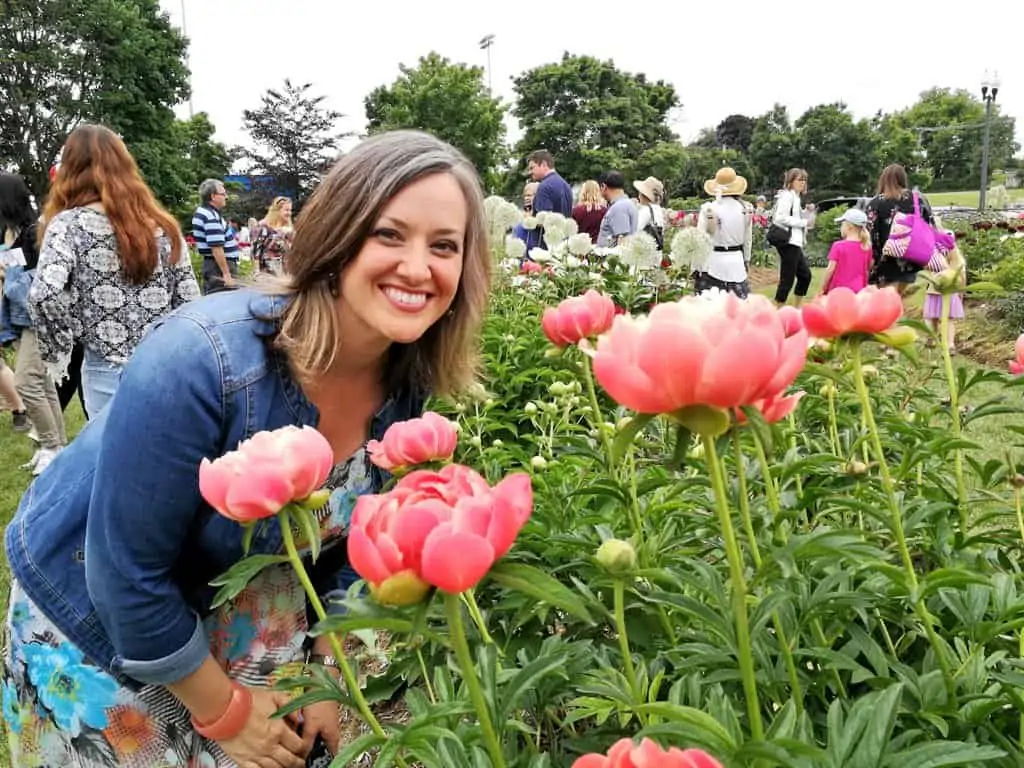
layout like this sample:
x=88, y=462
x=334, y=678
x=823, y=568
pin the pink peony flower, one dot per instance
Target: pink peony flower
x=578, y=318
x=722, y=352
x=843, y=312
x=625, y=754
x=1017, y=365
x=530, y=268
x=444, y=528
x=431, y=437
x=792, y=320
x=266, y=472
x=774, y=408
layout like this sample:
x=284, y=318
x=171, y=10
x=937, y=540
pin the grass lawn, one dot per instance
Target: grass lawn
x=969, y=198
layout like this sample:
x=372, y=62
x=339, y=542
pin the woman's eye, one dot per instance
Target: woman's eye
x=447, y=246
x=386, y=234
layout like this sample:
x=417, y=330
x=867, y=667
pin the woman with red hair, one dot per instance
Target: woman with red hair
x=112, y=262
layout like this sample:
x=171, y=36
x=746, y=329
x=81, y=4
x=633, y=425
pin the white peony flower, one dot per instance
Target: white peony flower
x=640, y=251
x=540, y=256
x=515, y=248
x=580, y=244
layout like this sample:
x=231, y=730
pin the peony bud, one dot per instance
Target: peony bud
x=897, y=337
x=497, y=444
x=475, y=441
x=869, y=371
x=826, y=389
x=404, y=588
x=530, y=409
x=539, y=463
x=617, y=556
x=624, y=422
x=856, y=468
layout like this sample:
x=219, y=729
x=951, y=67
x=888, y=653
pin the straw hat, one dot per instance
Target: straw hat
x=650, y=188
x=725, y=183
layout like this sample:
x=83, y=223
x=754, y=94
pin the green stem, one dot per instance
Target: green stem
x=284, y=520
x=478, y=618
x=597, y=415
x=771, y=491
x=896, y=518
x=755, y=552
x=426, y=677
x=819, y=637
x=833, y=421
x=739, y=589
x=1017, y=506
x=954, y=407
x=620, y=630
x=453, y=609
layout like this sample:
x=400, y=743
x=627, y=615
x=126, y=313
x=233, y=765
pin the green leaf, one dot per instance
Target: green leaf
x=878, y=710
x=683, y=439
x=536, y=583
x=624, y=439
x=238, y=576
x=937, y=754
x=526, y=679
x=713, y=734
x=350, y=752
x=309, y=527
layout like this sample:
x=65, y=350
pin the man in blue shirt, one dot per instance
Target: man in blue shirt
x=554, y=192
x=215, y=240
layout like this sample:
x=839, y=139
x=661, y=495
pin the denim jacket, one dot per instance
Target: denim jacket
x=114, y=542
x=14, y=315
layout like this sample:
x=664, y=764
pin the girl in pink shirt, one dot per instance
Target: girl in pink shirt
x=849, y=260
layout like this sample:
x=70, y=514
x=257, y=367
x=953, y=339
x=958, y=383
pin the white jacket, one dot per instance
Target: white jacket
x=789, y=213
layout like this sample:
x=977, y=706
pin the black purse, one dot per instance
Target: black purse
x=778, y=235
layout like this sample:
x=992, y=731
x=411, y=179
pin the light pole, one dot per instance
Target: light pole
x=989, y=89
x=485, y=45
x=188, y=62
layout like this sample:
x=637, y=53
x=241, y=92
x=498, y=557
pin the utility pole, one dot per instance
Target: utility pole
x=485, y=45
x=989, y=89
x=188, y=62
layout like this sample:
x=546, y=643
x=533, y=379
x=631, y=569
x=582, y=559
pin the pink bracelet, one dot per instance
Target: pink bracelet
x=234, y=718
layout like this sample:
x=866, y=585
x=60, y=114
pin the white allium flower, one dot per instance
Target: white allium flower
x=530, y=223
x=501, y=215
x=542, y=217
x=509, y=265
x=596, y=277
x=519, y=280
x=540, y=256
x=690, y=247
x=606, y=252
x=571, y=262
x=640, y=251
x=557, y=229
x=580, y=244
x=515, y=248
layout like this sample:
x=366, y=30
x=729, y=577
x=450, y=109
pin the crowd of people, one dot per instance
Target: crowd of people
x=115, y=653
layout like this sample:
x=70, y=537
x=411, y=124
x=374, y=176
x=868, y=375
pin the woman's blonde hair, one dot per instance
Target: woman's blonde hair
x=862, y=233
x=275, y=219
x=330, y=233
x=590, y=195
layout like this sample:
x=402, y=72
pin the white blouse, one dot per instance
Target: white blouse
x=729, y=224
x=789, y=213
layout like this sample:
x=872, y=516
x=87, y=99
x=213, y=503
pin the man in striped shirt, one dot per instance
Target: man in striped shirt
x=215, y=240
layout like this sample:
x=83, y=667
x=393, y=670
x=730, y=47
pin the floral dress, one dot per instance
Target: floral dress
x=62, y=710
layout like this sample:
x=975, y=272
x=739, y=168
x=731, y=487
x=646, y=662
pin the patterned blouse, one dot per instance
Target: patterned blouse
x=80, y=293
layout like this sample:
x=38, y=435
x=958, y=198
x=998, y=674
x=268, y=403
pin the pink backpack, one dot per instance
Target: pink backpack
x=912, y=238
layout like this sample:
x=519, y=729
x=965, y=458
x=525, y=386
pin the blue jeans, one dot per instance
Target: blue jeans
x=100, y=378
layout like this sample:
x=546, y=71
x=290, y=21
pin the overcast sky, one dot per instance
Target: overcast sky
x=724, y=57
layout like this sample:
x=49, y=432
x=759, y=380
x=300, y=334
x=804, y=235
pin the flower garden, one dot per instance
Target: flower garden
x=687, y=531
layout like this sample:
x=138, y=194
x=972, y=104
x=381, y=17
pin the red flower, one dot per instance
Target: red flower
x=431, y=437
x=624, y=754
x=843, y=312
x=578, y=318
x=444, y=529
x=530, y=268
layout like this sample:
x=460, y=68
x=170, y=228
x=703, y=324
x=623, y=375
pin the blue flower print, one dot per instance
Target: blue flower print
x=75, y=693
x=20, y=616
x=342, y=502
x=241, y=633
x=11, y=707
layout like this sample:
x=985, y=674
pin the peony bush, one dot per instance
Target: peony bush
x=695, y=531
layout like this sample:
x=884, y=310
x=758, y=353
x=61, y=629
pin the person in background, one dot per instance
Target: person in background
x=529, y=236
x=112, y=262
x=273, y=239
x=849, y=259
x=760, y=211
x=554, y=193
x=793, y=266
x=215, y=241
x=650, y=214
x=621, y=217
x=728, y=221
x=893, y=197
x=9, y=393
x=947, y=256
x=590, y=209
x=112, y=550
x=18, y=222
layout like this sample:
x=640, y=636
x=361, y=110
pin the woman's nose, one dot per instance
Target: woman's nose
x=415, y=263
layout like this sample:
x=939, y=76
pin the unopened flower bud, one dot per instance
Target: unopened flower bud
x=897, y=337
x=539, y=463
x=460, y=407
x=475, y=441
x=551, y=352
x=404, y=588
x=558, y=389
x=856, y=468
x=489, y=402
x=623, y=423
x=497, y=444
x=869, y=371
x=826, y=389
x=530, y=409
x=617, y=556
x=1017, y=481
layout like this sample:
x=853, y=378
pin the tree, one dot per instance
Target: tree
x=190, y=156
x=735, y=132
x=838, y=154
x=667, y=162
x=772, y=149
x=118, y=62
x=295, y=137
x=445, y=99
x=590, y=115
x=899, y=144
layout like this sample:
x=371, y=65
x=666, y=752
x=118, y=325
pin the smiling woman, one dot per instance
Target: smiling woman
x=117, y=655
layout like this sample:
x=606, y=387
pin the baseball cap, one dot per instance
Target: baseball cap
x=855, y=216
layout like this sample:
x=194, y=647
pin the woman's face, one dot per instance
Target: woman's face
x=405, y=277
x=799, y=184
x=286, y=209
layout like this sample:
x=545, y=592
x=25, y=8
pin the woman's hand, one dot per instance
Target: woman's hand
x=265, y=741
x=322, y=719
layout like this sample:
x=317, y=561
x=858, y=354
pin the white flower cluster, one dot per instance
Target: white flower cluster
x=515, y=249
x=690, y=247
x=557, y=228
x=501, y=217
x=640, y=251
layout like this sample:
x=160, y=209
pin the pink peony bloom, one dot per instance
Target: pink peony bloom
x=843, y=312
x=722, y=352
x=443, y=528
x=774, y=408
x=792, y=320
x=431, y=437
x=578, y=318
x=266, y=472
x=1017, y=365
x=625, y=754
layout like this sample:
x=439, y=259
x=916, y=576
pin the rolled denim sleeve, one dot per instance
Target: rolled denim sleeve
x=166, y=416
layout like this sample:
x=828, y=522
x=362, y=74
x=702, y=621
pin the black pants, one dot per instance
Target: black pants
x=73, y=383
x=793, y=266
x=213, y=280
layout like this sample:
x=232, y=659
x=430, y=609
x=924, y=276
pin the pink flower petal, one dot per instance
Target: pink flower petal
x=455, y=562
x=365, y=559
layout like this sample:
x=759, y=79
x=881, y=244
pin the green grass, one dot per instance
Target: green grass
x=968, y=199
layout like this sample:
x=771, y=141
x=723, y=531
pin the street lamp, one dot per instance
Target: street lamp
x=989, y=89
x=188, y=62
x=485, y=45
